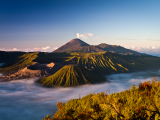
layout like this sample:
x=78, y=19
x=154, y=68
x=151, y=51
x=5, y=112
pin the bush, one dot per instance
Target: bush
x=140, y=102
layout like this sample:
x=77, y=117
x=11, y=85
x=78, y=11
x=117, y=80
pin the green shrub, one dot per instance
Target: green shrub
x=140, y=102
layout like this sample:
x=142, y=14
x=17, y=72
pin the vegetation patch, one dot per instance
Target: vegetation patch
x=107, y=62
x=19, y=63
x=71, y=75
x=137, y=103
x=98, y=62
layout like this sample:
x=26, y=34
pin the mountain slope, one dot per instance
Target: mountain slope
x=117, y=49
x=136, y=103
x=71, y=75
x=77, y=45
x=72, y=45
x=101, y=62
x=19, y=63
x=88, y=49
x=106, y=62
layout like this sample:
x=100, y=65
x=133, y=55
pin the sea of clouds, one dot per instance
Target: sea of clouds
x=25, y=99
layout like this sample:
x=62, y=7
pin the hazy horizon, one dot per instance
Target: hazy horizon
x=48, y=49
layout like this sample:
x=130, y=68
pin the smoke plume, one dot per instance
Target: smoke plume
x=85, y=35
x=78, y=35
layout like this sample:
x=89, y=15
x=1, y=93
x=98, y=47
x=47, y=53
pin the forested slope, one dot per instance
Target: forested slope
x=140, y=102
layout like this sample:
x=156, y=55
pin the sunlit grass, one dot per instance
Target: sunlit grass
x=71, y=75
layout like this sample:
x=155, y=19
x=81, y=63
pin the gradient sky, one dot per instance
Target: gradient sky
x=48, y=24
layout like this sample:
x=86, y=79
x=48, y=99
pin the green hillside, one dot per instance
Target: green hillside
x=100, y=62
x=137, y=103
x=71, y=75
x=19, y=63
x=106, y=62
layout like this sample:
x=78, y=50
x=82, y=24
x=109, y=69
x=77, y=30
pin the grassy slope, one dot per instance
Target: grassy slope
x=133, y=104
x=101, y=62
x=19, y=63
x=71, y=75
x=29, y=58
x=106, y=62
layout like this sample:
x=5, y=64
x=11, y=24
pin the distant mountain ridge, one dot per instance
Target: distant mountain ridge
x=117, y=49
x=77, y=45
x=6, y=56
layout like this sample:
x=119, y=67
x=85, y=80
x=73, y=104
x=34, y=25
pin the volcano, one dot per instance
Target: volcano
x=77, y=45
x=72, y=46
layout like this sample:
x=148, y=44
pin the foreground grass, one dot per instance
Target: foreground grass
x=137, y=103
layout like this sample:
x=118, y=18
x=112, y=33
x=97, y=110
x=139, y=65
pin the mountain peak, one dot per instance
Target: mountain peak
x=77, y=41
x=77, y=45
x=72, y=45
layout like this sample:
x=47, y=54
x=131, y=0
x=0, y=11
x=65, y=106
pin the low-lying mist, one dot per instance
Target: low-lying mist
x=27, y=100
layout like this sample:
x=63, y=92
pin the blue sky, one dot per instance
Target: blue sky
x=48, y=24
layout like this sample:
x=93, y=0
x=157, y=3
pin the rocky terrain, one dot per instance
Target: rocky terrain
x=32, y=71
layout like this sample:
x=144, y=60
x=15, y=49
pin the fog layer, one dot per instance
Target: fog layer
x=27, y=100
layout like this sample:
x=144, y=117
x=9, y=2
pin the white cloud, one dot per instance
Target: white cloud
x=85, y=35
x=54, y=48
x=78, y=35
x=28, y=49
x=46, y=48
x=14, y=49
x=43, y=49
x=148, y=49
